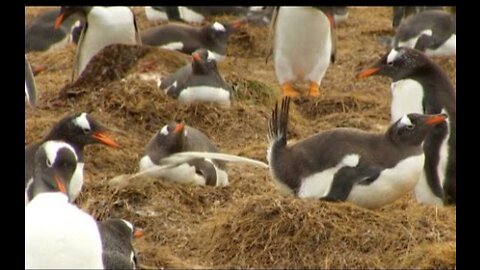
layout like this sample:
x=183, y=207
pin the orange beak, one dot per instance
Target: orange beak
x=138, y=233
x=60, y=184
x=59, y=20
x=103, y=138
x=331, y=20
x=179, y=127
x=196, y=57
x=367, y=72
x=436, y=119
x=37, y=69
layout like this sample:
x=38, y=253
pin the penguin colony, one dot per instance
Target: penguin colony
x=416, y=153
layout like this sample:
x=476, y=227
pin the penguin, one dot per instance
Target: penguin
x=344, y=164
x=432, y=32
x=261, y=16
x=103, y=26
x=54, y=163
x=40, y=35
x=401, y=13
x=188, y=39
x=78, y=130
x=191, y=14
x=178, y=137
x=304, y=46
x=421, y=86
x=58, y=235
x=118, y=251
x=30, y=88
x=199, y=81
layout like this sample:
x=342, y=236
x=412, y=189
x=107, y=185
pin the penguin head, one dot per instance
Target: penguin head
x=67, y=11
x=81, y=129
x=398, y=63
x=203, y=62
x=411, y=129
x=55, y=163
x=170, y=139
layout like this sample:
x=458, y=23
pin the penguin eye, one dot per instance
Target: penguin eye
x=390, y=64
x=86, y=130
x=410, y=127
x=49, y=164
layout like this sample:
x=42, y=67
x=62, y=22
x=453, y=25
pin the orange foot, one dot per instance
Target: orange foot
x=314, y=90
x=288, y=90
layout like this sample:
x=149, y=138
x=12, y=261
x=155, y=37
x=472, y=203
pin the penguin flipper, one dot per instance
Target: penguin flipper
x=347, y=177
x=206, y=169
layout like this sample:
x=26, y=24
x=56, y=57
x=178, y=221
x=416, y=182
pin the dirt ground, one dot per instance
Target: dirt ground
x=248, y=224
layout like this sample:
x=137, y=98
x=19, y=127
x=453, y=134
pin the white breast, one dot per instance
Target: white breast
x=407, y=97
x=318, y=185
x=76, y=183
x=447, y=49
x=59, y=235
x=302, y=44
x=390, y=185
x=205, y=94
x=106, y=26
x=423, y=193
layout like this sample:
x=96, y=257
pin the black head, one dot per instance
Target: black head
x=398, y=63
x=122, y=228
x=412, y=129
x=79, y=130
x=170, y=139
x=203, y=62
x=67, y=11
x=55, y=163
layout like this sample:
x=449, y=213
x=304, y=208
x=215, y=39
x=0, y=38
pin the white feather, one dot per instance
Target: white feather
x=186, y=156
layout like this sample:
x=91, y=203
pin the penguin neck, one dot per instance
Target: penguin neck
x=39, y=187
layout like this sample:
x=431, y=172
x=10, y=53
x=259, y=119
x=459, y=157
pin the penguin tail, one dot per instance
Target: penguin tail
x=278, y=125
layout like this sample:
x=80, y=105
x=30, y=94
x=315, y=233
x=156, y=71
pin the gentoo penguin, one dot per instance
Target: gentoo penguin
x=177, y=137
x=199, y=81
x=54, y=163
x=432, y=31
x=420, y=86
x=30, y=88
x=103, y=26
x=191, y=14
x=40, y=35
x=343, y=164
x=402, y=12
x=303, y=47
x=118, y=251
x=78, y=130
x=187, y=39
x=58, y=235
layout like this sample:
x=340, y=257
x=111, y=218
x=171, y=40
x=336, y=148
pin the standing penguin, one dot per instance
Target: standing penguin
x=117, y=235
x=304, y=46
x=58, y=235
x=199, y=81
x=420, y=86
x=78, y=130
x=103, y=26
x=433, y=32
x=174, y=138
x=343, y=164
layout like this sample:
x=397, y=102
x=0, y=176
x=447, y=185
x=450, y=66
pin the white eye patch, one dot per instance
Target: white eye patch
x=405, y=121
x=52, y=148
x=219, y=27
x=164, y=130
x=392, y=56
x=82, y=121
x=211, y=56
